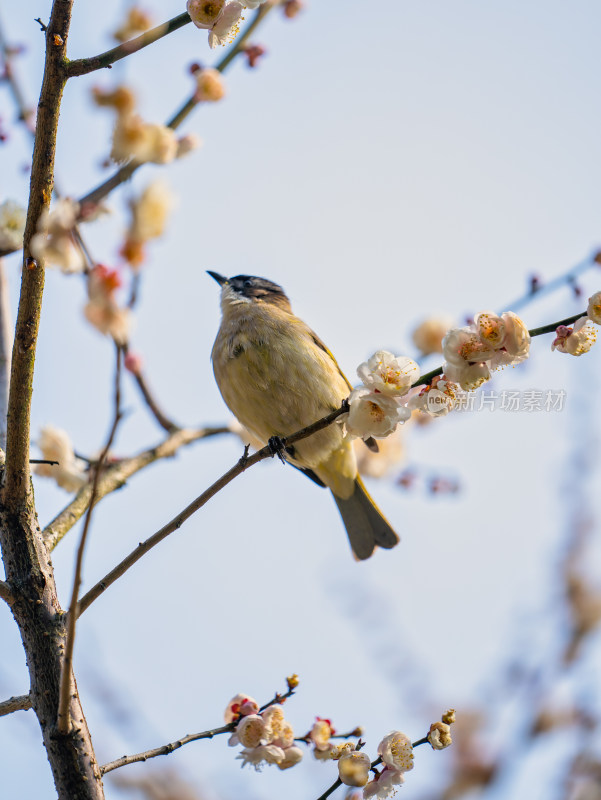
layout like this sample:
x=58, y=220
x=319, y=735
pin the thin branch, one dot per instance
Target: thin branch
x=554, y=325
x=551, y=328
x=124, y=173
x=243, y=464
x=17, y=475
x=164, y=421
x=64, y=717
x=568, y=277
x=115, y=476
x=165, y=749
x=5, y=593
x=82, y=66
x=20, y=703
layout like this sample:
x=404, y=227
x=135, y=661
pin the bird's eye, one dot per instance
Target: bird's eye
x=248, y=282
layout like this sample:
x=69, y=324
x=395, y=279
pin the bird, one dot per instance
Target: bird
x=276, y=376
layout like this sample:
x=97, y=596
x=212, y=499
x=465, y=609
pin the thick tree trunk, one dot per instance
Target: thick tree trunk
x=27, y=563
x=41, y=622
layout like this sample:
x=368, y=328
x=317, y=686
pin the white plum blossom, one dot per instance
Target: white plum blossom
x=263, y=754
x=12, y=225
x=428, y=335
x=205, y=13
x=353, y=769
x=251, y=731
x=470, y=377
x=227, y=26
x=292, y=755
x=240, y=706
x=320, y=734
x=397, y=751
x=437, y=399
x=384, y=785
x=54, y=241
x=372, y=414
x=55, y=445
x=388, y=374
x=594, y=308
x=149, y=213
x=210, y=87
x=577, y=340
x=492, y=341
x=220, y=19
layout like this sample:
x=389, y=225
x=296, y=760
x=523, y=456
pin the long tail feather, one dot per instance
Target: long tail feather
x=365, y=525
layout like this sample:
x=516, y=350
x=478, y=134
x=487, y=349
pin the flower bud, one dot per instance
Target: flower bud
x=353, y=769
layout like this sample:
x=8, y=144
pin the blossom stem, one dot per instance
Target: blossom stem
x=243, y=464
x=19, y=703
x=83, y=66
x=165, y=749
x=124, y=173
x=64, y=716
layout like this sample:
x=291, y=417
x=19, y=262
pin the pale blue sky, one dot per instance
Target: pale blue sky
x=385, y=161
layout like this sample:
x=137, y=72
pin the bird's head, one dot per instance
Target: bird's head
x=250, y=289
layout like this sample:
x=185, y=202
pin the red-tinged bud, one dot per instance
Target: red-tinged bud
x=292, y=8
x=253, y=53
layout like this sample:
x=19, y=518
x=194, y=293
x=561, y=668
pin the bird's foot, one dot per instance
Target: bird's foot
x=277, y=447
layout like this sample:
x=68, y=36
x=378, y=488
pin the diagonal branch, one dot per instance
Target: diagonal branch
x=116, y=475
x=243, y=464
x=82, y=66
x=165, y=749
x=20, y=703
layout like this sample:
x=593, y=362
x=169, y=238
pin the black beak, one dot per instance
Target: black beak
x=219, y=278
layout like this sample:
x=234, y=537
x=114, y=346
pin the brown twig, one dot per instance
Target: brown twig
x=115, y=476
x=82, y=66
x=194, y=737
x=164, y=421
x=19, y=703
x=63, y=717
x=124, y=173
x=243, y=464
x=5, y=593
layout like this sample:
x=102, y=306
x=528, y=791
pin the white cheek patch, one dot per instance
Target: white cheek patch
x=230, y=297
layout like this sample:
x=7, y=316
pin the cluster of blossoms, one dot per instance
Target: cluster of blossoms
x=134, y=138
x=70, y=472
x=376, y=408
x=579, y=339
x=149, y=214
x=266, y=736
x=492, y=341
